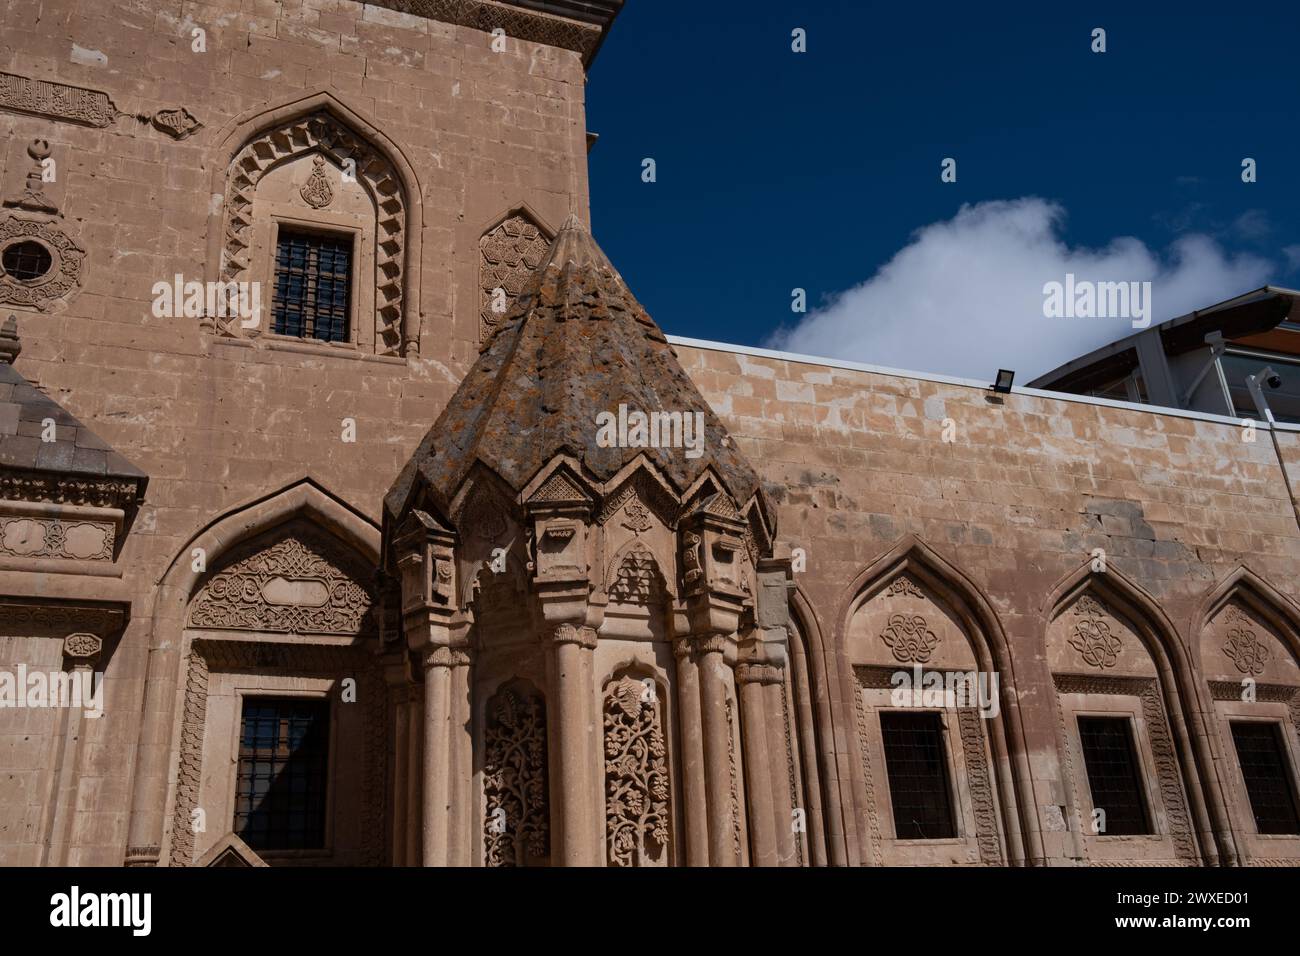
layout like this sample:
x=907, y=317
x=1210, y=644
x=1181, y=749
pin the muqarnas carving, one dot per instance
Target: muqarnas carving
x=516, y=827
x=59, y=281
x=636, y=775
x=509, y=254
x=637, y=580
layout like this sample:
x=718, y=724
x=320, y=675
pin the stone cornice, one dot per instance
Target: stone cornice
x=516, y=21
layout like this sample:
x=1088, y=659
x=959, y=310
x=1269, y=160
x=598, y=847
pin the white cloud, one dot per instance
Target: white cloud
x=965, y=296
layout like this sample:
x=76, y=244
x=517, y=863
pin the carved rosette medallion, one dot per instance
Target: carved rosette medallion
x=509, y=255
x=1243, y=647
x=317, y=191
x=517, y=821
x=909, y=638
x=60, y=280
x=1092, y=637
x=292, y=586
x=636, y=776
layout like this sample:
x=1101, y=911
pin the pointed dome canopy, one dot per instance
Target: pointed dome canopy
x=575, y=344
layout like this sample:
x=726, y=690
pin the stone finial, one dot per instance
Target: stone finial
x=9, y=344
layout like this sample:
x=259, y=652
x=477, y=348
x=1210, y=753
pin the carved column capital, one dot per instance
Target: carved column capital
x=572, y=634
x=440, y=655
x=707, y=643
x=758, y=674
x=82, y=649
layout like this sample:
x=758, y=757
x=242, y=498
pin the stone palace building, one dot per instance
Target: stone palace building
x=312, y=552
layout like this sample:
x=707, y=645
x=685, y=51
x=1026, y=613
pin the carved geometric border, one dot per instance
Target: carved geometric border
x=301, y=660
x=974, y=751
x=321, y=132
x=1168, y=775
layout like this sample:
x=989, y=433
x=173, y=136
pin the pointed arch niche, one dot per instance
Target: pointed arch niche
x=1247, y=650
x=279, y=624
x=1114, y=659
x=913, y=617
x=315, y=166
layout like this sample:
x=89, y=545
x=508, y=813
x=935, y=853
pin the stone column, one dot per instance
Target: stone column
x=779, y=769
x=82, y=652
x=414, y=775
x=446, y=746
x=758, y=768
x=578, y=747
x=715, y=680
x=464, y=809
x=401, y=768
x=689, y=720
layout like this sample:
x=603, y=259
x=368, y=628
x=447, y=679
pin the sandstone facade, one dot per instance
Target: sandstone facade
x=642, y=661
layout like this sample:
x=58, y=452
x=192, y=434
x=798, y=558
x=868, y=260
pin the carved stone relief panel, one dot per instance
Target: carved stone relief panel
x=903, y=624
x=295, y=580
x=509, y=254
x=1238, y=643
x=24, y=537
x=1090, y=637
x=516, y=801
x=637, y=817
x=74, y=104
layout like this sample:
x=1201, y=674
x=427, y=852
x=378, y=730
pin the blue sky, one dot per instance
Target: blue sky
x=778, y=170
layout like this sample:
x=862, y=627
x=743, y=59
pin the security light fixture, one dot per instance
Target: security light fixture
x=1002, y=385
x=1265, y=376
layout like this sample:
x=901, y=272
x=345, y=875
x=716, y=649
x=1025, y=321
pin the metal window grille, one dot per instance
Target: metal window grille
x=313, y=274
x=281, y=784
x=1113, y=775
x=917, y=766
x=1268, y=778
x=26, y=260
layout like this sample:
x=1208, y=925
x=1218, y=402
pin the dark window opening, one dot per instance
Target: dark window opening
x=281, y=783
x=918, y=775
x=1268, y=778
x=26, y=260
x=1113, y=776
x=313, y=276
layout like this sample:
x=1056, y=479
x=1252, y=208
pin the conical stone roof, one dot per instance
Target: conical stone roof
x=575, y=344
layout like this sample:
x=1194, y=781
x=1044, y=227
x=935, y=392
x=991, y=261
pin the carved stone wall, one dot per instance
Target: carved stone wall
x=516, y=799
x=637, y=821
